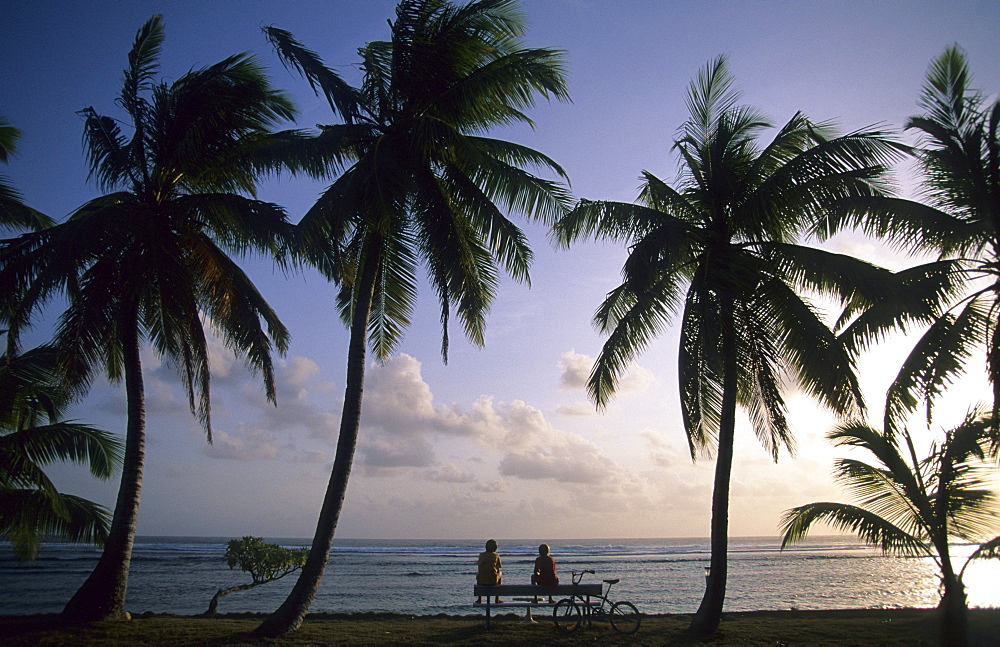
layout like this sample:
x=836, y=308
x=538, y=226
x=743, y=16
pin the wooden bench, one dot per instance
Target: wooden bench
x=507, y=592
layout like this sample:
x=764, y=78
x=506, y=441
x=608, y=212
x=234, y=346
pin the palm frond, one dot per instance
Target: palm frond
x=26, y=516
x=935, y=361
x=871, y=528
x=342, y=98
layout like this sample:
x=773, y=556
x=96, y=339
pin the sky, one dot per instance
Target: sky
x=502, y=441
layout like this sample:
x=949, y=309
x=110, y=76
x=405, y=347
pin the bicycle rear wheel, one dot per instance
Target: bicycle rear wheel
x=567, y=615
x=625, y=617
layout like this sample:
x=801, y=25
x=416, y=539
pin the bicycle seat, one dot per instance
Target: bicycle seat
x=612, y=581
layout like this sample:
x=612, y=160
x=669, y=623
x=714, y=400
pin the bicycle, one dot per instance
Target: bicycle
x=569, y=612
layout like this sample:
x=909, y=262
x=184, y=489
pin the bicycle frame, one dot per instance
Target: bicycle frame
x=570, y=612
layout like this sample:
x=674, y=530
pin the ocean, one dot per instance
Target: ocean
x=180, y=575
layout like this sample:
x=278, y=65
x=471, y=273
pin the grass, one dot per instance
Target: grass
x=848, y=627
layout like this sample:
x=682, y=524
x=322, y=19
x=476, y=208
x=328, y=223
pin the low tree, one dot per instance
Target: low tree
x=33, y=435
x=915, y=507
x=265, y=563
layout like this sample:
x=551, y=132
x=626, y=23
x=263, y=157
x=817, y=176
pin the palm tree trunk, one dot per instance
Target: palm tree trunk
x=706, y=619
x=954, y=611
x=954, y=608
x=289, y=616
x=102, y=595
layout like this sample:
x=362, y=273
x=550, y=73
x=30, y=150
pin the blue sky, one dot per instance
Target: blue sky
x=501, y=441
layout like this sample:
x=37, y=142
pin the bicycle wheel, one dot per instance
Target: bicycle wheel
x=625, y=617
x=567, y=615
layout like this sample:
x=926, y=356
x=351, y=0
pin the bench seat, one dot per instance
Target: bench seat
x=543, y=593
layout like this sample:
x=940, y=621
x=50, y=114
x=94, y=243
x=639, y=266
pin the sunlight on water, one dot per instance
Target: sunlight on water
x=982, y=578
x=180, y=575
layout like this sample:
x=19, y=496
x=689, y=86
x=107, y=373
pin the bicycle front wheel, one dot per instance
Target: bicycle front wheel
x=625, y=617
x=567, y=615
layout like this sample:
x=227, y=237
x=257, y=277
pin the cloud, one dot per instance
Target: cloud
x=448, y=473
x=402, y=427
x=575, y=371
x=577, y=409
x=304, y=401
x=398, y=451
x=663, y=453
x=246, y=444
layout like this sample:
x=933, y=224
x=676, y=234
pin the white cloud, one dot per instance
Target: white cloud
x=575, y=371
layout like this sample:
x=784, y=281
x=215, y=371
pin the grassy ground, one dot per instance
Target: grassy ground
x=774, y=628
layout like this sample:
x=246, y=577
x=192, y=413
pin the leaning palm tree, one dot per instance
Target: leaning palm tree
x=418, y=183
x=32, y=435
x=721, y=248
x=916, y=507
x=960, y=155
x=148, y=261
x=14, y=214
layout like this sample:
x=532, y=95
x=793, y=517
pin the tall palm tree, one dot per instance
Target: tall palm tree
x=960, y=156
x=721, y=249
x=148, y=260
x=32, y=435
x=418, y=183
x=14, y=214
x=915, y=507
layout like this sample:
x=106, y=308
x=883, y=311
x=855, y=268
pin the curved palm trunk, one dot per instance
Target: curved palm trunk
x=288, y=617
x=954, y=610
x=706, y=619
x=102, y=595
x=953, y=606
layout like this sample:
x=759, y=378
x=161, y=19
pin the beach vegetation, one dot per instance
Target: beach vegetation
x=34, y=434
x=265, y=563
x=917, y=508
x=149, y=261
x=720, y=248
x=417, y=183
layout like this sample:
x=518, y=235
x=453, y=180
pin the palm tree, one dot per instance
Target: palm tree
x=960, y=155
x=914, y=508
x=727, y=233
x=14, y=214
x=418, y=183
x=32, y=435
x=148, y=260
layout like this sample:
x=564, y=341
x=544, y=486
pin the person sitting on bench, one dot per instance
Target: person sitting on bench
x=489, y=573
x=545, y=569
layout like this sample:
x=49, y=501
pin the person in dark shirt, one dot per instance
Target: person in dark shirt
x=545, y=569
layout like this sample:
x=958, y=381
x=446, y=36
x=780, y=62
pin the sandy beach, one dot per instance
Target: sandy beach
x=844, y=627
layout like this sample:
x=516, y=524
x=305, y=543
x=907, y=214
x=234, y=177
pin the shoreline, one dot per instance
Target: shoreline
x=903, y=626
